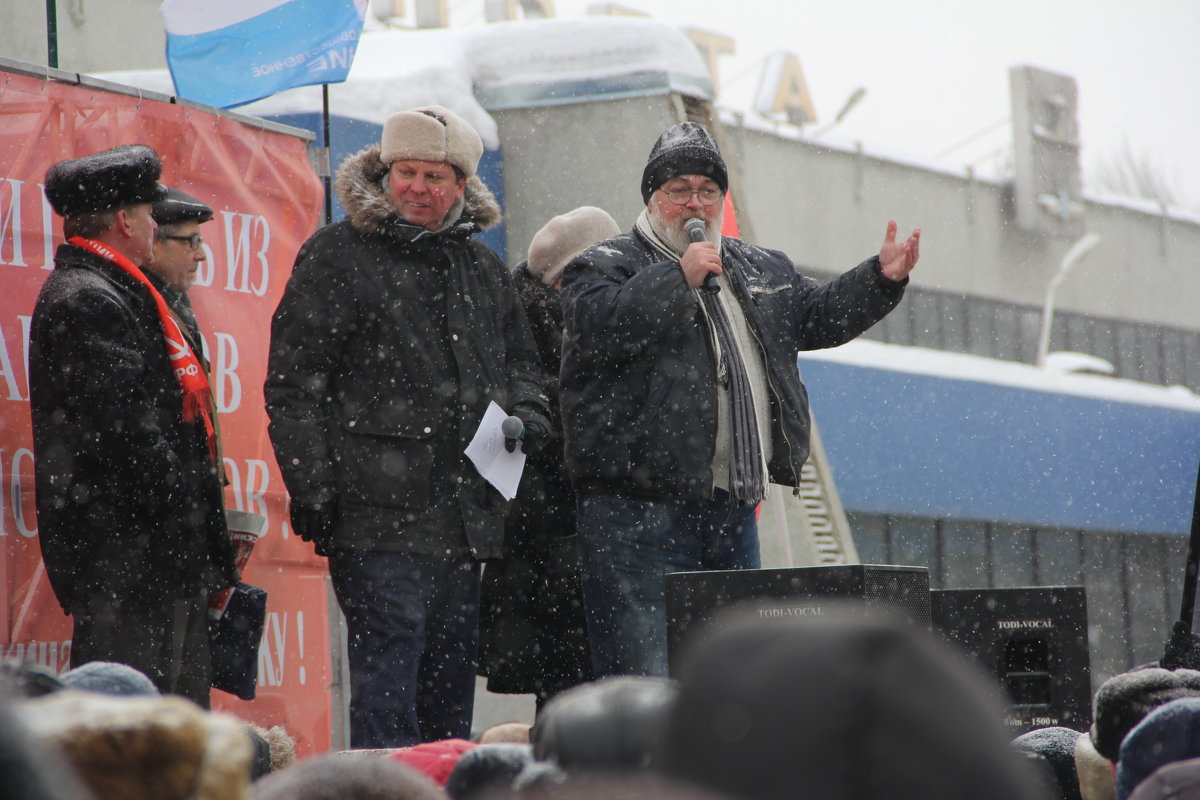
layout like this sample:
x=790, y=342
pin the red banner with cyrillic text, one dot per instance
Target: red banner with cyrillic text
x=267, y=201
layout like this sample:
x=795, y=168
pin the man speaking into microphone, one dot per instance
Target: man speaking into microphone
x=681, y=400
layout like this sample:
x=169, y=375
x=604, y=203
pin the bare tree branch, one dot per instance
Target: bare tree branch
x=1127, y=173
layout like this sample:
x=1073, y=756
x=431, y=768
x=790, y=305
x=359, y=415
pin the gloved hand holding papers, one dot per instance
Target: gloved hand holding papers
x=498, y=467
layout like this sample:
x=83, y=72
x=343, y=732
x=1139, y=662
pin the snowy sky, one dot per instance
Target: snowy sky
x=936, y=72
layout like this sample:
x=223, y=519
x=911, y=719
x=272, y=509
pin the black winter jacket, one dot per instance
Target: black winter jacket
x=638, y=389
x=532, y=627
x=128, y=497
x=374, y=391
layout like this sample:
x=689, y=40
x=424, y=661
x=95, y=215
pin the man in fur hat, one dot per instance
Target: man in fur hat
x=395, y=332
x=130, y=514
x=681, y=402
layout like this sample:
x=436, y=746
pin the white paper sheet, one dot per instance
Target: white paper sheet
x=498, y=467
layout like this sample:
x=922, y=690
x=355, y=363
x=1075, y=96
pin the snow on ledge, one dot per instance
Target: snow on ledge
x=979, y=369
x=398, y=69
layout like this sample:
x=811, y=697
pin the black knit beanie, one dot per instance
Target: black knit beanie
x=683, y=149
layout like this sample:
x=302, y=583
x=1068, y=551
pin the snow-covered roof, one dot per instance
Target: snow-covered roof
x=963, y=367
x=491, y=65
x=483, y=68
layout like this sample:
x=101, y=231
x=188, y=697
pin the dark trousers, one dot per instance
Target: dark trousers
x=168, y=642
x=627, y=546
x=413, y=630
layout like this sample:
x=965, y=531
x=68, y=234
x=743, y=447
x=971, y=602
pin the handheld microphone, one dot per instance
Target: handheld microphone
x=694, y=228
x=514, y=430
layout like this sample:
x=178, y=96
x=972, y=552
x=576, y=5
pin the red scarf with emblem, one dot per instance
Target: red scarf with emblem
x=187, y=367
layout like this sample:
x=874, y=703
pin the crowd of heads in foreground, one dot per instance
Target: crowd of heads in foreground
x=838, y=708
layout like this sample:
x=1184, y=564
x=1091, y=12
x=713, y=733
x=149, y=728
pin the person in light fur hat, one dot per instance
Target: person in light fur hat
x=533, y=636
x=142, y=746
x=395, y=332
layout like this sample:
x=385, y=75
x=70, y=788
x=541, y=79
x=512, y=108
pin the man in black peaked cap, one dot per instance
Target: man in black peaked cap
x=129, y=504
x=679, y=403
x=179, y=251
x=173, y=267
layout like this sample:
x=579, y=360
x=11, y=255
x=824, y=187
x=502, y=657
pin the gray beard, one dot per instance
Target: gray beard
x=672, y=234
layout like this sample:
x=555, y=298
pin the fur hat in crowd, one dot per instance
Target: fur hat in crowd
x=683, y=149
x=432, y=133
x=1125, y=699
x=179, y=206
x=30, y=770
x=280, y=748
x=609, y=724
x=109, y=677
x=1057, y=746
x=144, y=748
x=106, y=180
x=564, y=237
x=1169, y=733
x=837, y=707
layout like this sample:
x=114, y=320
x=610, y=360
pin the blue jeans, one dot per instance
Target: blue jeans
x=413, y=625
x=626, y=547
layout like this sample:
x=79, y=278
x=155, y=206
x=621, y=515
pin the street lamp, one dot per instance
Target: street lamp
x=1073, y=256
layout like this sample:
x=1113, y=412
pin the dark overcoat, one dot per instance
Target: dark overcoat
x=128, y=498
x=533, y=631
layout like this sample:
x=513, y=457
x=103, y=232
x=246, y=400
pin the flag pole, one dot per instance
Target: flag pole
x=51, y=34
x=328, y=153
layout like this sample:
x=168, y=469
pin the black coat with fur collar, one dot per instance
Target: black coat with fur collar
x=374, y=390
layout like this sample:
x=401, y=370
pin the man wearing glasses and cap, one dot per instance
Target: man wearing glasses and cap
x=680, y=395
x=178, y=253
x=130, y=515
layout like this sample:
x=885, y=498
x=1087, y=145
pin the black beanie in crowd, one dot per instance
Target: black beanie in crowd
x=683, y=149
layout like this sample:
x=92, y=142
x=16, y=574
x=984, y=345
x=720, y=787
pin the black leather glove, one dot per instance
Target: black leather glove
x=314, y=522
x=537, y=435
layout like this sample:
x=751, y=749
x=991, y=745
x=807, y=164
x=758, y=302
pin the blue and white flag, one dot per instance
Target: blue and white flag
x=229, y=52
